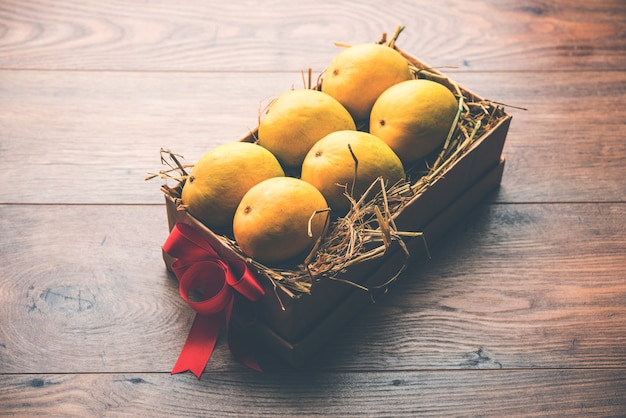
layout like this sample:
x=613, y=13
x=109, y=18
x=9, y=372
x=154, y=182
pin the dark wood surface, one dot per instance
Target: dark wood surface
x=520, y=311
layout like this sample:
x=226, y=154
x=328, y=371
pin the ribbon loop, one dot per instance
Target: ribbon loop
x=206, y=283
x=241, y=279
x=204, y=287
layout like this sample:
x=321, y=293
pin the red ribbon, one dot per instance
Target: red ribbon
x=199, y=267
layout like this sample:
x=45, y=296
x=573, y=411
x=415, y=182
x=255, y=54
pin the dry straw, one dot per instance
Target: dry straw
x=368, y=230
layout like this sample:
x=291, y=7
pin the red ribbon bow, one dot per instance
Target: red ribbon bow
x=199, y=267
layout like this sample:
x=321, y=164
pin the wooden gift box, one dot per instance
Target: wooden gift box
x=295, y=328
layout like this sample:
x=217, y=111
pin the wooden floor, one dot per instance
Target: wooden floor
x=520, y=311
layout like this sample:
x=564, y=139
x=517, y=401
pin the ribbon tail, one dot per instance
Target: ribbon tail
x=241, y=347
x=240, y=344
x=199, y=345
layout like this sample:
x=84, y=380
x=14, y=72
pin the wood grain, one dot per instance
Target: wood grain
x=106, y=129
x=514, y=286
x=101, y=300
x=79, y=282
x=80, y=137
x=286, y=36
x=438, y=393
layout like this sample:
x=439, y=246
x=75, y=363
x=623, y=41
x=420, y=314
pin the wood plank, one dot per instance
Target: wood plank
x=569, y=393
x=567, y=145
x=250, y=36
x=514, y=286
x=80, y=283
x=91, y=137
x=76, y=137
x=84, y=289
